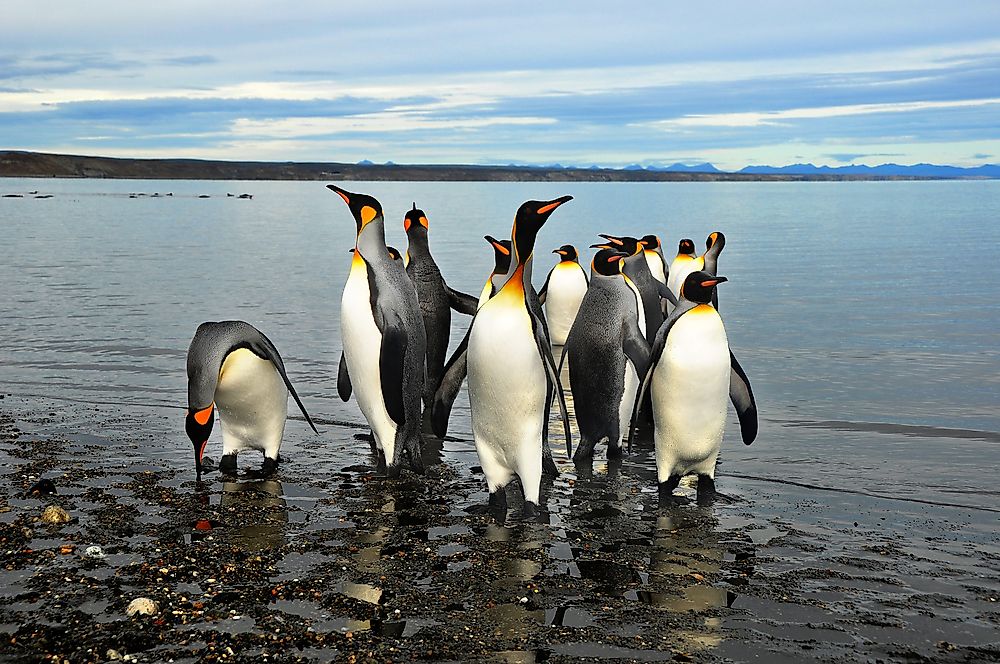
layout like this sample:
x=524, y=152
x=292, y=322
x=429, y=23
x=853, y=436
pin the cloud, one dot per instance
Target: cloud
x=190, y=60
x=848, y=157
x=982, y=155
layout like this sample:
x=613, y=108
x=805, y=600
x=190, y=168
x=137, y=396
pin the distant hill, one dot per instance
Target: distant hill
x=16, y=163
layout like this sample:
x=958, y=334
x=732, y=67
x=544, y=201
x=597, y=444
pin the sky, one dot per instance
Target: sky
x=527, y=82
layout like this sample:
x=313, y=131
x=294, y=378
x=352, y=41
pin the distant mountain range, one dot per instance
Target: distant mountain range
x=884, y=170
x=19, y=163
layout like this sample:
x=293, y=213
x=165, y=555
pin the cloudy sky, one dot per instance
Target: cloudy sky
x=578, y=83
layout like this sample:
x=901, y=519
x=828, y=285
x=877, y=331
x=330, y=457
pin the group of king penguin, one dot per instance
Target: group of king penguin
x=643, y=342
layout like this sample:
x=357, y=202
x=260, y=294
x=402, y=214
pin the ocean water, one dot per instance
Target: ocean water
x=864, y=313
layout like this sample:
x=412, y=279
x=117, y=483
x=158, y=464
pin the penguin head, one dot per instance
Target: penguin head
x=608, y=262
x=567, y=253
x=715, y=243
x=364, y=207
x=394, y=253
x=501, y=254
x=650, y=242
x=629, y=245
x=416, y=219
x=685, y=247
x=198, y=425
x=698, y=287
x=528, y=220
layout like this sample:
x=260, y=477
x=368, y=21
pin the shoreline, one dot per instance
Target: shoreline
x=44, y=166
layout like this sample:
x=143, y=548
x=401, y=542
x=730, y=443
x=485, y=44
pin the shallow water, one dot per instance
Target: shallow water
x=865, y=515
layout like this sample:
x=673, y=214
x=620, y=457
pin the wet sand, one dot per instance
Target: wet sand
x=329, y=561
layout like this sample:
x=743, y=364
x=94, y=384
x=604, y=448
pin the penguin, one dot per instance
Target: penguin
x=691, y=372
x=511, y=371
x=501, y=264
x=653, y=251
x=384, y=342
x=651, y=290
x=562, y=293
x=606, y=352
x=232, y=366
x=684, y=263
x=435, y=297
x=714, y=245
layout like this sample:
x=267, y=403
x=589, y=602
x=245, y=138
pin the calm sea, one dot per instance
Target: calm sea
x=865, y=313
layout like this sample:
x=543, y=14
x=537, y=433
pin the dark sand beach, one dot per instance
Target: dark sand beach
x=331, y=561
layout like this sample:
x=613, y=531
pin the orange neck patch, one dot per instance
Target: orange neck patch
x=204, y=415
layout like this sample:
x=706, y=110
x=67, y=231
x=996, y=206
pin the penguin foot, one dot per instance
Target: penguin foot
x=666, y=492
x=268, y=469
x=530, y=510
x=227, y=464
x=549, y=468
x=706, y=490
x=615, y=452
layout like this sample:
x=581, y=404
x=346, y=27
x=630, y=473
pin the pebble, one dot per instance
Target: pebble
x=54, y=514
x=94, y=552
x=142, y=606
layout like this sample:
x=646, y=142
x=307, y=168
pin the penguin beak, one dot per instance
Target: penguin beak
x=714, y=281
x=553, y=204
x=199, y=427
x=559, y=251
x=611, y=238
x=601, y=246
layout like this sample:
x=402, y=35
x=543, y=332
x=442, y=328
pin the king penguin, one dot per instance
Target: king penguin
x=653, y=251
x=651, y=291
x=435, y=297
x=511, y=371
x=607, y=353
x=232, y=366
x=501, y=264
x=562, y=293
x=383, y=337
x=691, y=373
x=684, y=263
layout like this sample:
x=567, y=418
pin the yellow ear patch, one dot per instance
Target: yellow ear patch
x=502, y=249
x=367, y=214
x=423, y=222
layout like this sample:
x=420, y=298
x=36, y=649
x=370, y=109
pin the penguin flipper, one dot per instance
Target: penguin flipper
x=390, y=363
x=545, y=287
x=742, y=397
x=451, y=383
x=264, y=348
x=462, y=302
x=635, y=346
x=343, y=379
x=656, y=350
x=666, y=293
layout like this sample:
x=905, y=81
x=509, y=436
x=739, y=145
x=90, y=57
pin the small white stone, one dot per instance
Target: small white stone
x=94, y=552
x=142, y=606
x=524, y=600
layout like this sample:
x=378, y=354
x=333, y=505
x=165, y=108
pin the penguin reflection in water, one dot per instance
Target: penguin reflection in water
x=384, y=342
x=510, y=370
x=691, y=374
x=233, y=367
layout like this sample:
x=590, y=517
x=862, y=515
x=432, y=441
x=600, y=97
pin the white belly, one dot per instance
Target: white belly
x=679, y=270
x=655, y=264
x=567, y=286
x=506, y=395
x=253, y=403
x=690, y=389
x=362, y=348
x=628, y=400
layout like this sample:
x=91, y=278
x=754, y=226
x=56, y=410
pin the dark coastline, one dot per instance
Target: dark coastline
x=14, y=163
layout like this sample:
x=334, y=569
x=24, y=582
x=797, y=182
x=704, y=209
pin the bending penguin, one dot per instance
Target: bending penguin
x=435, y=297
x=511, y=371
x=607, y=353
x=232, y=366
x=562, y=293
x=691, y=373
x=384, y=342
